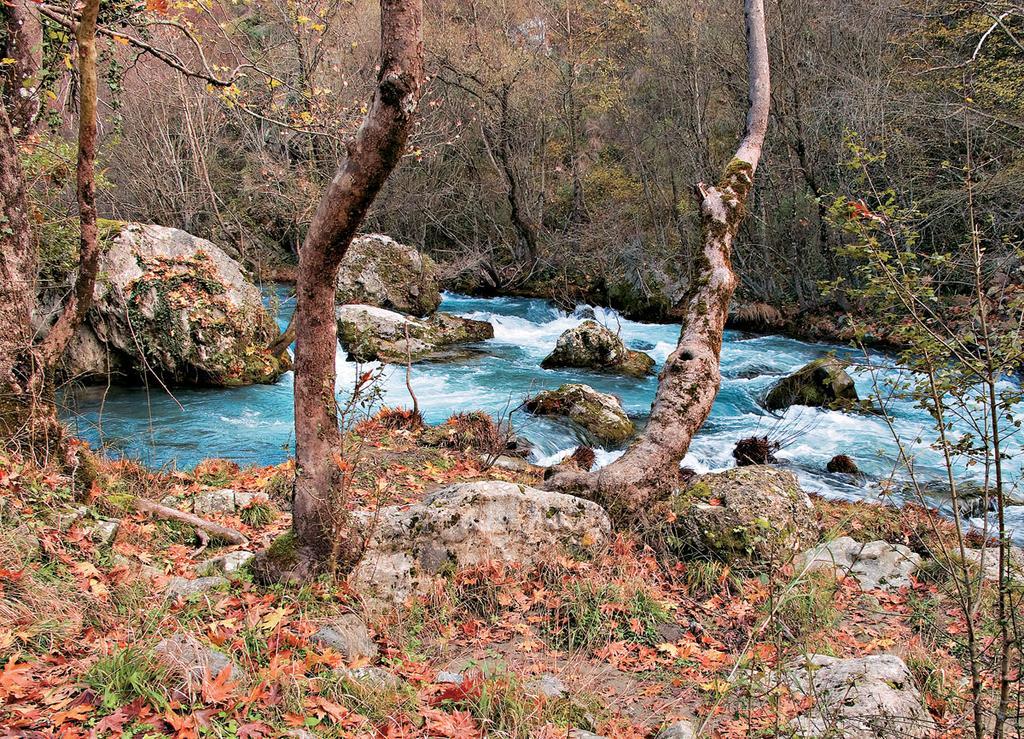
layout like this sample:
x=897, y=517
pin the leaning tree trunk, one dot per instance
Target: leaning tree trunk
x=319, y=519
x=689, y=382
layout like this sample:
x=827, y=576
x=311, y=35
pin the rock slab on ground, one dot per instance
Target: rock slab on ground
x=598, y=413
x=875, y=565
x=372, y=334
x=758, y=513
x=189, y=661
x=183, y=587
x=860, y=698
x=348, y=636
x=379, y=271
x=468, y=524
x=823, y=383
x=175, y=305
x=592, y=346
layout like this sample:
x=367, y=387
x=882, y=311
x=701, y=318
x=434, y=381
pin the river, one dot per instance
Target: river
x=253, y=425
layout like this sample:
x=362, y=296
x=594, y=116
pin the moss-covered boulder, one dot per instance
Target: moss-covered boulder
x=823, y=383
x=755, y=514
x=599, y=414
x=371, y=334
x=177, y=306
x=379, y=271
x=592, y=346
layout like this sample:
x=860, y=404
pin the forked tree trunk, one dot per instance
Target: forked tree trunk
x=27, y=412
x=376, y=149
x=689, y=382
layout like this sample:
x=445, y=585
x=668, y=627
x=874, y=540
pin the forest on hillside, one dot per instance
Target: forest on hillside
x=590, y=369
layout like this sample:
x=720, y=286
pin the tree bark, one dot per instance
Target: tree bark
x=689, y=381
x=318, y=517
x=78, y=303
x=21, y=77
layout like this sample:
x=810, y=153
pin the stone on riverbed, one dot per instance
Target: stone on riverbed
x=175, y=305
x=468, y=524
x=374, y=334
x=875, y=565
x=379, y=271
x=861, y=698
x=592, y=346
x=823, y=383
x=599, y=413
x=756, y=513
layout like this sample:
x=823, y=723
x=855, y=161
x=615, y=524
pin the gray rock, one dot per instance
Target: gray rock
x=600, y=414
x=348, y=636
x=592, y=346
x=376, y=678
x=245, y=498
x=214, y=502
x=678, y=730
x=189, y=660
x=227, y=563
x=453, y=678
x=757, y=513
x=375, y=334
x=546, y=686
x=379, y=271
x=468, y=524
x=103, y=531
x=862, y=698
x=176, y=304
x=182, y=587
x=583, y=734
x=989, y=565
x=68, y=518
x=821, y=383
x=875, y=565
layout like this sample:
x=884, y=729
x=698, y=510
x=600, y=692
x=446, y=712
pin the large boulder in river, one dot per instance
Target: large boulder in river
x=873, y=697
x=754, y=514
x=598, y=413
x=411, y=547
x=379, y=271
x=175, y=305
x=372, y=334
x=592, y=346
x=823, y=383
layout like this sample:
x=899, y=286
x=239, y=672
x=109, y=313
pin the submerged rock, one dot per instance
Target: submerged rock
x=757, y=513
x=468, y=524
x=875, y=565
x=592, y=346
x=175, y=305
x=375, y=334
x=379, y=271
x=823, y=383
x=863, y=698
x=599, y=413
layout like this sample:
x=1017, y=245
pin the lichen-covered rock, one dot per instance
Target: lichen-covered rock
x=189, y=661
x=986, y=563
x=379, y=271
x=175, y=305
x=592, y=346
x=823, y=383
x=468, y=524
x=756, y=513
x=599, y=413
x=348, y=636
x=375, y=334
x=872, y=697
x=875, y=565
x=183, y=587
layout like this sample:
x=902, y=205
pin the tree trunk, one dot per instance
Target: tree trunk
x=319, y=517
x=21, y=76
x=52, y=348
x=690, y=380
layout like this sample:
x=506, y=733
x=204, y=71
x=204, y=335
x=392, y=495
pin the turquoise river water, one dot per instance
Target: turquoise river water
x=253, y=425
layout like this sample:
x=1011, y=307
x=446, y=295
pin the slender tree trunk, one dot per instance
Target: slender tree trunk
x=318, y=516
x=690, y=379
x=52, y=348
